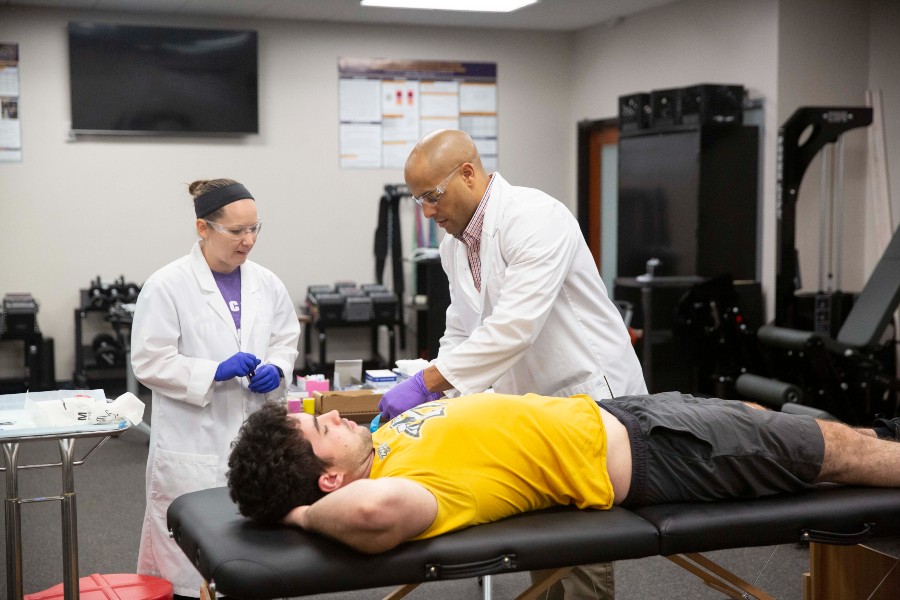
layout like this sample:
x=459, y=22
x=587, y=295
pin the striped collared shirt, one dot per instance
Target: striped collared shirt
x=471, y=236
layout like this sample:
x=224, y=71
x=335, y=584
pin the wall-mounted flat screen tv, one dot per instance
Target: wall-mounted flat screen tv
x=128, y=79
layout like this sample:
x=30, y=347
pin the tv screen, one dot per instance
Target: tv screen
x=133, y=79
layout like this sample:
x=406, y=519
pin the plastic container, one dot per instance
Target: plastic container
x=119, y=586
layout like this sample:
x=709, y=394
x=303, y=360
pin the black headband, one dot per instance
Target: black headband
x=216, y=198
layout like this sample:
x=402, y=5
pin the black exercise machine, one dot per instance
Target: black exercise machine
x=844, y=367
x=714, y=329
x=801, y=137
x=852, y=376
x=18, y=322
x=388, y=245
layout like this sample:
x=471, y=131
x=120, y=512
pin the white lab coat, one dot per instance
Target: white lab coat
x=182, y=330
x=542, y=321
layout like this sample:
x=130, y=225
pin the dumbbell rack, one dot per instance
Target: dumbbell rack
x=88, y=372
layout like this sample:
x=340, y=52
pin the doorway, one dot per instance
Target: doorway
x=598, y=192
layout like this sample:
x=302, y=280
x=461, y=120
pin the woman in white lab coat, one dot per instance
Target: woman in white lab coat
x=214, y=334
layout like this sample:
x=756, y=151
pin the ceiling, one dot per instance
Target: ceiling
x=546, y=15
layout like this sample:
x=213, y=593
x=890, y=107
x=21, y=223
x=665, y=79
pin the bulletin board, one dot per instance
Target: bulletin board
x=10, y=128
x=387, y=105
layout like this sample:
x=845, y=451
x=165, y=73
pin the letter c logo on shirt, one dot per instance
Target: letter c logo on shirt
x=234, y=306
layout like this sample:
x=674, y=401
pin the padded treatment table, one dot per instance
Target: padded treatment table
x=242, y=559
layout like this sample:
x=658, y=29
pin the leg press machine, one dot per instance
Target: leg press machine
x=241, y=559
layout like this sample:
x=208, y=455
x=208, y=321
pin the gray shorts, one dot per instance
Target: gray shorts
x=687, y=449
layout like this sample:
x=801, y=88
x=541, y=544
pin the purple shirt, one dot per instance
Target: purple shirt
x=230, y=286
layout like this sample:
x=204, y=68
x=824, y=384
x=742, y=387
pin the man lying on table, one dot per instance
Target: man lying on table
x=457, y=462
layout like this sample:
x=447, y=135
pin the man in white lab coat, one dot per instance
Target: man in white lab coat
x=528, y=310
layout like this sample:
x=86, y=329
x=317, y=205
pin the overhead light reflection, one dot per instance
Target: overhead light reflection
x=457, y=5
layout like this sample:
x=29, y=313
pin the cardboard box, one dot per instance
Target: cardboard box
x=360, y=406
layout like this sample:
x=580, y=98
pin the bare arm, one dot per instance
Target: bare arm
x=370, y=515
x=434, y=380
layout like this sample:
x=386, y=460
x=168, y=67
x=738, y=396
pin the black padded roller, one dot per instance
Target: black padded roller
x=782, y=337
x=811, y=411
x=771, y=392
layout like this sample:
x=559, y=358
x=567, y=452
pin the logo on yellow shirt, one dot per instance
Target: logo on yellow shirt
x=383, y=450
x=410, y=423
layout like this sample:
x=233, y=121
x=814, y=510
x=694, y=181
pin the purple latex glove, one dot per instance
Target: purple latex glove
x=405, y=395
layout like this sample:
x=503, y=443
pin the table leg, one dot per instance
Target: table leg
x=131, y=383
x=322, y=354
x=392, y=346
x=69, y=520
x=307, y=345
x=647, y=308
x=14, y=586
x=486, y=589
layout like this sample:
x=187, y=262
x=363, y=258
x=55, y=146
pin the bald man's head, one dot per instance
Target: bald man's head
x=439, y=152
x=447, y=159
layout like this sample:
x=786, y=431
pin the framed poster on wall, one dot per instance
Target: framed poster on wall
x=10, y=128
x=387, y=105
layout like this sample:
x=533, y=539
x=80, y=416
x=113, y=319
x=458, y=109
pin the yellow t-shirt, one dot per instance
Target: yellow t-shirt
x=489, y=456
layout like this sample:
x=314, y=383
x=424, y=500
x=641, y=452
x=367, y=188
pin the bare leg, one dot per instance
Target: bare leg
x=857, y=457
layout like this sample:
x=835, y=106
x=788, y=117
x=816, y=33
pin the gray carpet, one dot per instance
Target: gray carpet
x=110, y=506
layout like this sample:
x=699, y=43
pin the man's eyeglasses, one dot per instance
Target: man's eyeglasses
x=433, y=197
x=236, y=233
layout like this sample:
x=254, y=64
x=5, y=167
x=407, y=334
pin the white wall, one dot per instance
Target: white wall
x=884, y=53
x=119, y=206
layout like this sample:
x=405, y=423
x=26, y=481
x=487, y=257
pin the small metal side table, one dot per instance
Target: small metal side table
x=14, y=429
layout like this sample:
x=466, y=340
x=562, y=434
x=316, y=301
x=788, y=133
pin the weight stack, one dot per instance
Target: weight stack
x=711, y=103
x=664, y=107
x=635, y=112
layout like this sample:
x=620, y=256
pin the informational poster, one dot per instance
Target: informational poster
x=387, y=105
x=10, y=128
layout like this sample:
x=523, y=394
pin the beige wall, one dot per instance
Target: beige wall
x=884, y=53
x=816, y=67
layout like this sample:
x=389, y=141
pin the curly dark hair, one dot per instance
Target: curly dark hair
x=272, y=467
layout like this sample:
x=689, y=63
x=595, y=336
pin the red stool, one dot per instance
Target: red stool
x=121, y=586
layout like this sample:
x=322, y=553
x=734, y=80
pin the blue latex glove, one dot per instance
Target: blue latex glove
x=405, y=395
x=375, y=424
x=239, y=365
x=266, y=379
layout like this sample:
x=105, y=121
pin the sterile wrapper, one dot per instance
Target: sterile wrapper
x=408, y=368
x=81, y=409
